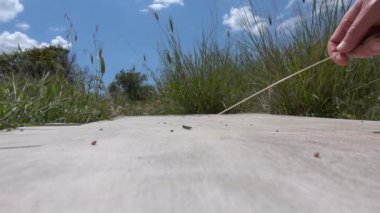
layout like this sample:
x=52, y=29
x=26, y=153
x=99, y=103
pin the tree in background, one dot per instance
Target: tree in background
x=44, y=85
x=37, y=62
x=131, y=84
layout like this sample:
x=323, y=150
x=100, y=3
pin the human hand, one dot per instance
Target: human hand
x=347, y=39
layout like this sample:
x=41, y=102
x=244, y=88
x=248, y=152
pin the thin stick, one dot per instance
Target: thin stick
x=271, y=86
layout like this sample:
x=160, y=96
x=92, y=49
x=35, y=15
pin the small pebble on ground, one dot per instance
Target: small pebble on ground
x=317, y=155
x=187, y=127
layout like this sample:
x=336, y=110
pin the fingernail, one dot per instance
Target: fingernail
x=376, y=47
x=341, y=46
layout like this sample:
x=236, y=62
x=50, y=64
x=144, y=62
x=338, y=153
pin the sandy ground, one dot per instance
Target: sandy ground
x=233, y=163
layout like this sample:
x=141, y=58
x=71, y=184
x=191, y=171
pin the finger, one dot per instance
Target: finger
x=357, y=31
x=346, y=23
x=368, y=49
x=337, y=57
x=341, y=59
x=339, y=34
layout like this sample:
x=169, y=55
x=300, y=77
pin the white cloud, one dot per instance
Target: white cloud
x=57, y=29
x=332, y=3
x=289, y=25
x=23, y=26
x=60, y=42
x=9, y=9
x=156, y=6
x=290, y=4
x=242, y=18
x=162, y=4
x=320, y=3
x=10, y=42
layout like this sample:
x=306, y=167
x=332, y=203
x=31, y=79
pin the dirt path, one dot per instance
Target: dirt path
x=235, y=163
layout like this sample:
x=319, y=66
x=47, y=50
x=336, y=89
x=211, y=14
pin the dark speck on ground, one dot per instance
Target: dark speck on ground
x=317, y=155
x=94, y=143
x=187, y=127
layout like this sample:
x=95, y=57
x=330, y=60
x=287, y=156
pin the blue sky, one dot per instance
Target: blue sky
x=127, y=28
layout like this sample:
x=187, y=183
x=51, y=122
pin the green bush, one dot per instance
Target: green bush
x=131, y=85
x=37, y=62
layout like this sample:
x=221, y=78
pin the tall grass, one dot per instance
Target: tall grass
x=205, y=81
x=30, y=101
x=45, y=85
x=327, y=90
x=214, y=76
